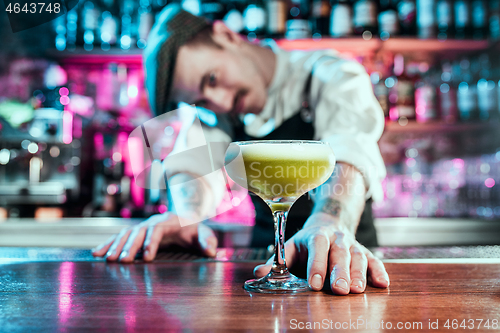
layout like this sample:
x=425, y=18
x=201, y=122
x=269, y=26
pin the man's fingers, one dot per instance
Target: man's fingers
x=317, y=261
x=340, y=262
x=262, y=270
x=359, y=265
x=376, y=271
x=154, y=235
x=133, y=244
x=116, y=247
x=207, y=240
x=101, y=249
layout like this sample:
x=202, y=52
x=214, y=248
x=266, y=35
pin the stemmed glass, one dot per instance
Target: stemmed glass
x=279, y=172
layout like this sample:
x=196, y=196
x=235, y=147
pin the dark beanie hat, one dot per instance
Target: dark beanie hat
x=172, y=29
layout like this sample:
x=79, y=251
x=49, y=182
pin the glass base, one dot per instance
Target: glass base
x=277, y=284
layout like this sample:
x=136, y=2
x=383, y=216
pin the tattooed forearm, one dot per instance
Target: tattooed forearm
x=342, y=196
x=188, y=196
x=330, y=206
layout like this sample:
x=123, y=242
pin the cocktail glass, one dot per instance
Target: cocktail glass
x=279, y=172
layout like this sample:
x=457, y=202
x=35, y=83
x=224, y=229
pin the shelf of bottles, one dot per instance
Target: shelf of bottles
x=109, y=25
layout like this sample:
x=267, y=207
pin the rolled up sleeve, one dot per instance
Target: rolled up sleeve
x=348, y=116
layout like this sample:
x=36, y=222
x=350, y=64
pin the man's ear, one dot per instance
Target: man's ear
x=223, y=35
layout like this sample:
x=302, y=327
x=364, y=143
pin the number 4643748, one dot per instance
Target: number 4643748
x=33, y=8
x=471, y=324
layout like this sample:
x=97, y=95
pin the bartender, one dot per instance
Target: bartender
x=290, y=95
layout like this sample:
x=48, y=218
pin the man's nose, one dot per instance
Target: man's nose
x=221, y=99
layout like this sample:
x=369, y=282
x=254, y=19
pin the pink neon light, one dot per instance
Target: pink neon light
x=64, y=91
x=64, y=100
x=490, y=182
x=65, y=290
x=67, y=127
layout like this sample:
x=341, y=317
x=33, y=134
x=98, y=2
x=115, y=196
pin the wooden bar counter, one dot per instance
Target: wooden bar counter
x=66, y=296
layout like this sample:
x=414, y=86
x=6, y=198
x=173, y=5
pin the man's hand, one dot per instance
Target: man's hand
x=156, y=232
x=331, y=251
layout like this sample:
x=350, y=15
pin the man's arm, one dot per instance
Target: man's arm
x=342, y=197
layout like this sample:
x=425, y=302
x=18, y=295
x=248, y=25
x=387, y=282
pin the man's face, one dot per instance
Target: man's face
x=224, y=80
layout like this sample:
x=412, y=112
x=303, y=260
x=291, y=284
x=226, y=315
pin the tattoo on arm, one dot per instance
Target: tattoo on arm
x=329, y=206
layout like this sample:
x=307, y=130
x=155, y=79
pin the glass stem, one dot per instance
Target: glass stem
x=279, y=264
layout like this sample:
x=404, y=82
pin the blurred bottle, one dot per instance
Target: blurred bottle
x=467, y=92
x=127, y=27
x=276, y=17
x=365, y=18
x=192, y=6
x=381, y=91
x=234, y=17
x=341, y=18
x=407, y=14
x=462, y=19
x=426, y=19
x=72, y=28
x=402, y=93
x=60, y=30
x=145, y=21
x=494, y=19
x=90, y=15
x=486, y=89
x=108, y=30
x=254, y=18
x=444, y=19
x=320, y=18
x=426, y=107
x=388, y=19
x=297, y=24
x=447, y=95
x=212, y=10
x=479, y=19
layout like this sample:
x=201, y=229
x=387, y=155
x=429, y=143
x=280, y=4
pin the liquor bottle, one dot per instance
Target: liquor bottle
x=426, y=19
x=486, y=89
x=276, y=17
x=320, y=18
x=381, y=91
x=494, y=21
x=388, y=19
x=254, y=18
x=108, y=30
x=462, y=19
x=402, y=94
x=297, y=24
x=365, y=18
x=234, y=17
x=447, y=93
x=90, y=15
x=71, y=29
x=407, y=14
x=479, y=19
x=426, y=107
x=444, y=19
x=144, y=23
x=341, y=19
x=192, y=6
x=127, y=28
x=466, y=93
x=212, y=10
x=60, y=30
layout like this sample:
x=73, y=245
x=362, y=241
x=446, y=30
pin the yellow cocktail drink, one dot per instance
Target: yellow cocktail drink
x=279, y=172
